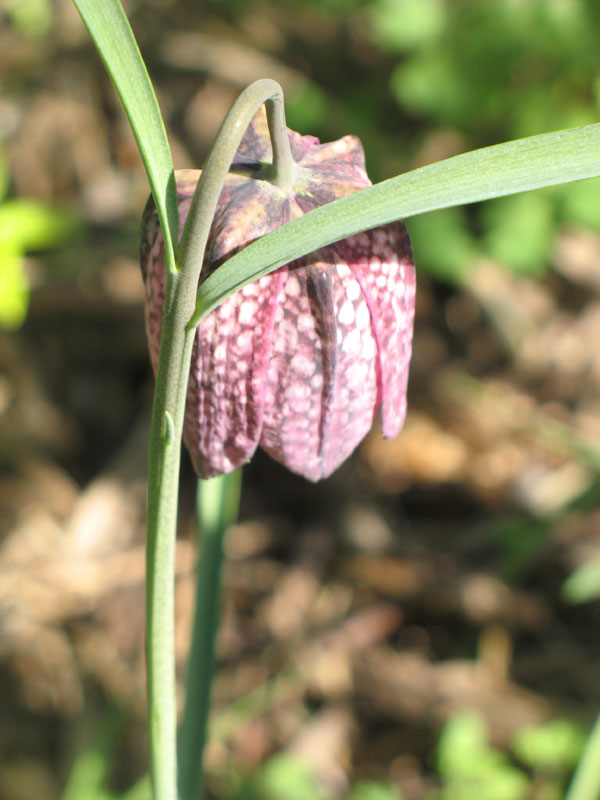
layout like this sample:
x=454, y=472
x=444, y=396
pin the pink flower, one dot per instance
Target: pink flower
x=300, y=361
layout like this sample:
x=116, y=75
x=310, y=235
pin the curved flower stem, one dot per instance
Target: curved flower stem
x=233, y=127
x=217, y=503
x=283, y=168
x=167, y=421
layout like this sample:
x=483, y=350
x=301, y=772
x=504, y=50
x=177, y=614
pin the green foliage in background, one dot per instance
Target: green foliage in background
x=541, y=758
x=541, y=755
x=470, y=768
x=88, y=777
x=282, y=777
x=31, y=18
x=25, y=226
x=583, y=584
x=552, y=749
x=491, y=72
x=470, y=74
x=373, y=790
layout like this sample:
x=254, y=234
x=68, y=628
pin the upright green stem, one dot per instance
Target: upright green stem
x=217, y=508
x=167, y=421
x=163, y=481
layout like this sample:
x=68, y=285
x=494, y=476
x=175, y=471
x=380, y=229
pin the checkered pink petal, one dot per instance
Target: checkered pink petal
x=300, y=361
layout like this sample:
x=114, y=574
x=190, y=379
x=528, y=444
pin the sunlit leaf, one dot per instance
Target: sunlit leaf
x=517, y=166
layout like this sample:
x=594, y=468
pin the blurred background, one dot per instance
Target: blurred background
x=424, y=624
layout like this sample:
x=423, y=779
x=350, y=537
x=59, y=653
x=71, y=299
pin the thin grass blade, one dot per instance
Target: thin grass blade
x=111, y=33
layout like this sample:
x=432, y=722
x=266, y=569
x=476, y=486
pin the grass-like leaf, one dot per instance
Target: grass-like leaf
x=503, y=169
x=110, y=30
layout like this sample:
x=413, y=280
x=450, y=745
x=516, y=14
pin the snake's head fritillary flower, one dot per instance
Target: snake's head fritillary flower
x=300, y=361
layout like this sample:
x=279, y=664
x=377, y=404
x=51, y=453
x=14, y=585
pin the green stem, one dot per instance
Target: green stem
x=586, y=781
x=233, y=127
x=163, y=481
x=217, y=508
x=167, y=423
x=283, y=168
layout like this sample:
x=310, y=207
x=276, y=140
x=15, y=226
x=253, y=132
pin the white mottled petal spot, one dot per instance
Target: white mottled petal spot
x=305, y=322
x=226, y=309
x=292, y=286
x=247, y=312
x=303, y=365
x=351, y=342
x=353, y=290
x=363, y=317
x=289, y=333
x=346, y=313
x=369, y=348
x=359, y=371
x=239, y=440
x=227, y=326
x=244, y=341
x=299, y=390
x=299, y=405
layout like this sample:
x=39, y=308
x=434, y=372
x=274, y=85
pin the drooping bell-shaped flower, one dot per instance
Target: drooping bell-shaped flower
x=300, y=361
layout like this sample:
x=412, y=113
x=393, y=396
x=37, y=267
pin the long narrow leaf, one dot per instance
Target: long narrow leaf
x=517, y=166
x=110, y=30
